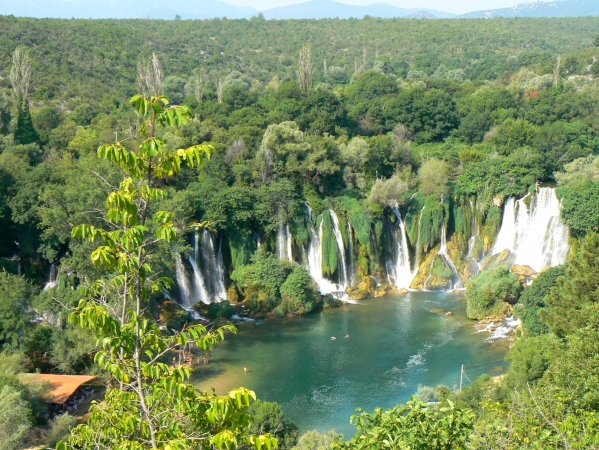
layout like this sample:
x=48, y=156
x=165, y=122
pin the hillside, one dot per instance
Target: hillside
x=327, y=9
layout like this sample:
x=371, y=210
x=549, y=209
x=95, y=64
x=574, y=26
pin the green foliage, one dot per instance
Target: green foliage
x=569, y=302
x=269, y=418
x=314, y=440
x=299, y=293
x=25, y=132
x=152, y=405
x=531, y=357
x=60, y=429
x=414, y=425
x=433, y=176
x=220, y=310
x=265, y=275
x=15, y=419
x=15, y=318
x=533, y=300
x=489, y=292
x=580, y=210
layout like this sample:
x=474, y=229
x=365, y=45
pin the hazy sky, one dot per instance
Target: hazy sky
x=455, y=6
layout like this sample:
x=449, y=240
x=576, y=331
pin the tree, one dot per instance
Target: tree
x=269, y=418
x=305, y=71
x=577, y=292
x=20, y=78
x=15, y=419
x=15, y=318
x=414, y=425
x=533, y=300
x=152, y=407
x=314, y=440
x=433, y=176
x=391, y=192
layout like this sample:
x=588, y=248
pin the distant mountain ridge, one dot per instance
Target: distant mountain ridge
x=127, y=9
x=537, y=8
x=328, y=9
x=313, y=9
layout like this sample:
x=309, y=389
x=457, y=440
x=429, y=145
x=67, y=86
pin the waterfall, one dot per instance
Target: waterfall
x=402, y=271
x=208, y=269
x=536, y=236
x=284, y=250
x=182, y=282
x=339, y=239
x=52, y=279
x=443, y=254
x=325, y=286
x=352, y=269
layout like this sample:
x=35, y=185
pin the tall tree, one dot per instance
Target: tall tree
x=153, y=407
x=305, y=72
x=20, y=79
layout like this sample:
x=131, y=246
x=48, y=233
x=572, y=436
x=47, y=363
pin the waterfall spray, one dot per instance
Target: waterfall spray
x=52, y=278
x=402, y=271
x=537, y=237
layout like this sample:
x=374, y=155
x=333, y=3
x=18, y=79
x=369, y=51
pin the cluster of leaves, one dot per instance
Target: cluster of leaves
x=491, y=291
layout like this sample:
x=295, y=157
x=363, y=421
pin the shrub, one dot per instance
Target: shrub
x=489, y=292
x=299, y=293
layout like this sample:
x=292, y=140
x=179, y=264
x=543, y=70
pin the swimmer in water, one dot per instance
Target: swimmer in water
x=347, y=335
x=245, y=369
x=333, y=338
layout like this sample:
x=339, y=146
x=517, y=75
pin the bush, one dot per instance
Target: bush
x=314, y=440
x=60, y=429
x=299, y=293
x=533, y=300
x=269, y=418
x=489, y=292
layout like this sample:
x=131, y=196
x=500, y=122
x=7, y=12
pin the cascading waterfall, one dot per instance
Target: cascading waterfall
x=52, y=279
x=536, y=236
x=352, y=269
x=314, y=261
x=343, y=266
x=208, y=269
x=183, y=282
x=283, y=245
x=402, y=272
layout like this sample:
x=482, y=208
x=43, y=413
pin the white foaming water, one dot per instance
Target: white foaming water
x=402, y=271
x=284, y=243
x=182, y=282
x=536, y=236
x=339, y=239
x=208, y=270
x=52, y=279
x=325, y=286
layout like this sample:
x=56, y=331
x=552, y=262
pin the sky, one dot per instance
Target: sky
x=453, y=6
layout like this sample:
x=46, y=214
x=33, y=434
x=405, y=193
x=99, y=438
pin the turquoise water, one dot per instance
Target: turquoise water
x=395, y=343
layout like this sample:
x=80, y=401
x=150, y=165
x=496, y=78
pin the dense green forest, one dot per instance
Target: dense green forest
x=435, y=124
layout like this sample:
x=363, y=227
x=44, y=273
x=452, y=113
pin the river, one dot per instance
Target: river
x=395, y=343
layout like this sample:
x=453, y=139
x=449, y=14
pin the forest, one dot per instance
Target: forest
x=155, y=171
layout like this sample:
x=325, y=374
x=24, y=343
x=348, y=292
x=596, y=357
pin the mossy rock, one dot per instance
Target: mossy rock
x=173, y=316
x=360, y=294
x=505, y=258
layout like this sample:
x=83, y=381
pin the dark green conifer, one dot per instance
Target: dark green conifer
x=25, y=131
